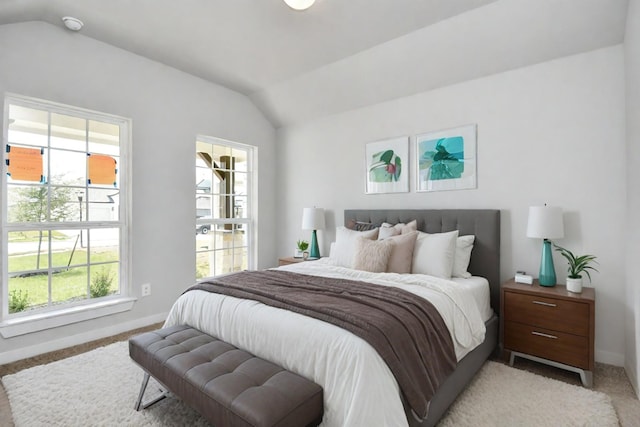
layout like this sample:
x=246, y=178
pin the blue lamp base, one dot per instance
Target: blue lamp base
x=314, y=252
x=547, y=276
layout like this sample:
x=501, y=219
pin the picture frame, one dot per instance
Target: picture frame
x=446, y=159
x=387, y=166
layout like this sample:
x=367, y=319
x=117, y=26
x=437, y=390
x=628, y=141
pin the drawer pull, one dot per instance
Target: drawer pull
x=546, y=304
x=540, y=334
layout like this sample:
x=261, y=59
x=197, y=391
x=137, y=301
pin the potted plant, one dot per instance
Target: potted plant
x=577, y=266
x=302, y=246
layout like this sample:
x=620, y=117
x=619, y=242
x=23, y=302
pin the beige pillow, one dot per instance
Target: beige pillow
x=344, y=248
x=433, y=254
x=372, y=255
x=402, y=254
x=464, y=245
x=399, y=228
x=409, y=227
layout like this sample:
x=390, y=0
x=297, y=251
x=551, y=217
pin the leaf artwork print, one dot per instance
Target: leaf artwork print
x=443, y=157
x=385, y=166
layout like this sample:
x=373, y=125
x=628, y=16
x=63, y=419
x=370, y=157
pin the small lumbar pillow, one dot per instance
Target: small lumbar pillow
x=372, y=255
x=402, y=254
x=352, y=224
x=344, y=247
x=433, y=254
x=464, y=245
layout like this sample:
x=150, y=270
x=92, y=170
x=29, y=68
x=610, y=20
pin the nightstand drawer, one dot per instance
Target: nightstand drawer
x=564, y=348
x=549, y=313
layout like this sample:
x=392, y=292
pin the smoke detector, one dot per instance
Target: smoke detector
x=74, y=24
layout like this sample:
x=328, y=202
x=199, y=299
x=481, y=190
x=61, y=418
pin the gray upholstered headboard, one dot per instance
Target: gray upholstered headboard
x=483, y=223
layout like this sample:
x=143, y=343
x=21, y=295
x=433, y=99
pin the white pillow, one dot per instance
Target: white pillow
x=372, y=255
x=433, y=254
x=464, y=245
x=388, y=230
x=344, y=247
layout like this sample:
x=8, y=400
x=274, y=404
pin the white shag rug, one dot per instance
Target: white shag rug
x=99, y=388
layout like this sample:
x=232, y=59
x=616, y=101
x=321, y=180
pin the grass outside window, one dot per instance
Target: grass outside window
x=68, y=283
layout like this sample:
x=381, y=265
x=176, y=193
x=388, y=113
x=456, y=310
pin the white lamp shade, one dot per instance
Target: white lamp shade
x=545, y=222
x=299, y=4
x=312, y=219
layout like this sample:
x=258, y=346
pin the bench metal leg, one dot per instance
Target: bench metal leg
x=143, y=387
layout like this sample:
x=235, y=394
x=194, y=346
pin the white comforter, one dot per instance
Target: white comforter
x=359, y=389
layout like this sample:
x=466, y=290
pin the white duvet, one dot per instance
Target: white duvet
x=359, y=389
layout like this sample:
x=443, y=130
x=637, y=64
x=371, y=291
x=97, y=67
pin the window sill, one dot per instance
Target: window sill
x=53, y=319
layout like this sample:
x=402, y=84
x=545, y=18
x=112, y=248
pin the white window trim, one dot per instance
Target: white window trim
x=91, y=309
x=52, y=319
x=252, y=217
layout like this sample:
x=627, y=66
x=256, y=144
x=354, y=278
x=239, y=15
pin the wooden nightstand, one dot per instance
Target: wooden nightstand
x=289, y=260
x=549, y=325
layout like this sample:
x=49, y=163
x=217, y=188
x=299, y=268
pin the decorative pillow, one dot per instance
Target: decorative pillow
x=345, y=245
x=372, y=255
x=387, y=230
x=433, y=254
x=464, y=245
x=409, y=227
x=352, y=224
x=402, y=254
x=399, y=228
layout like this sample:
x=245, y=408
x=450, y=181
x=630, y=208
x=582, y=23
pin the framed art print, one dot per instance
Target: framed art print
x=387, y=166
x=446, y=159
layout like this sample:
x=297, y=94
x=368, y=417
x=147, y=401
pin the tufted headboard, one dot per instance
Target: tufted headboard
x=483, y=223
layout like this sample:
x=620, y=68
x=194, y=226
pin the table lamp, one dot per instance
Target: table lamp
x=545, y=222
x=313, y=219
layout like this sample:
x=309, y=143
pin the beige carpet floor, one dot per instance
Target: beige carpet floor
x=6, y=419
x=607, y=379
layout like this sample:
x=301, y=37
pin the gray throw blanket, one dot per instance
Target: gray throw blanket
x=405, y=329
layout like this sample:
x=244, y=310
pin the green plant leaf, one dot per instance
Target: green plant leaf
x=398, y=168
x=577, y=264
x=387, y=156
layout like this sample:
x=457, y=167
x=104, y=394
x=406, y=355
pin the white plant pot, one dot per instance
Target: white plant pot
x=574, y=285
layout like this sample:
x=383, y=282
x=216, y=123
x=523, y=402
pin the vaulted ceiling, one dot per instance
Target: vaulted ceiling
x=339, y=54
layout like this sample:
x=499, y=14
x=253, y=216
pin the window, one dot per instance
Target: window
x=64, y=207
x=224, y=207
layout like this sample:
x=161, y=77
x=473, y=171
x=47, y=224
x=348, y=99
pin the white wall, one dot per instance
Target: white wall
x=632, y=308
x=552, y=132
x=168, y=109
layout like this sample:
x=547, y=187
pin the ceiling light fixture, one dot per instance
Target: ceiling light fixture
x=74, y=24
x=299, y=4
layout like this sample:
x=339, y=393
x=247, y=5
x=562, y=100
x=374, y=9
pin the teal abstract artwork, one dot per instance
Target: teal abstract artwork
x=446, y=159
x=443, y=157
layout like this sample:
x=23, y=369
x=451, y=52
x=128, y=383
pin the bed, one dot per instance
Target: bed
x=359, y=387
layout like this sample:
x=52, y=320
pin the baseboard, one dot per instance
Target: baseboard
x=610, y=358
x=94, y=334
x=633, y=378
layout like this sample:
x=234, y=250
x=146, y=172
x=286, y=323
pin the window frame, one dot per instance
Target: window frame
x=252, y=196
x=85, y=309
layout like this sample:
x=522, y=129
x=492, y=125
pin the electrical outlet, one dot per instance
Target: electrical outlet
x=146, y=289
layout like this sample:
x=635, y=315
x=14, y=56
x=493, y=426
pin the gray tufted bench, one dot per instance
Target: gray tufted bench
x=226, y=385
